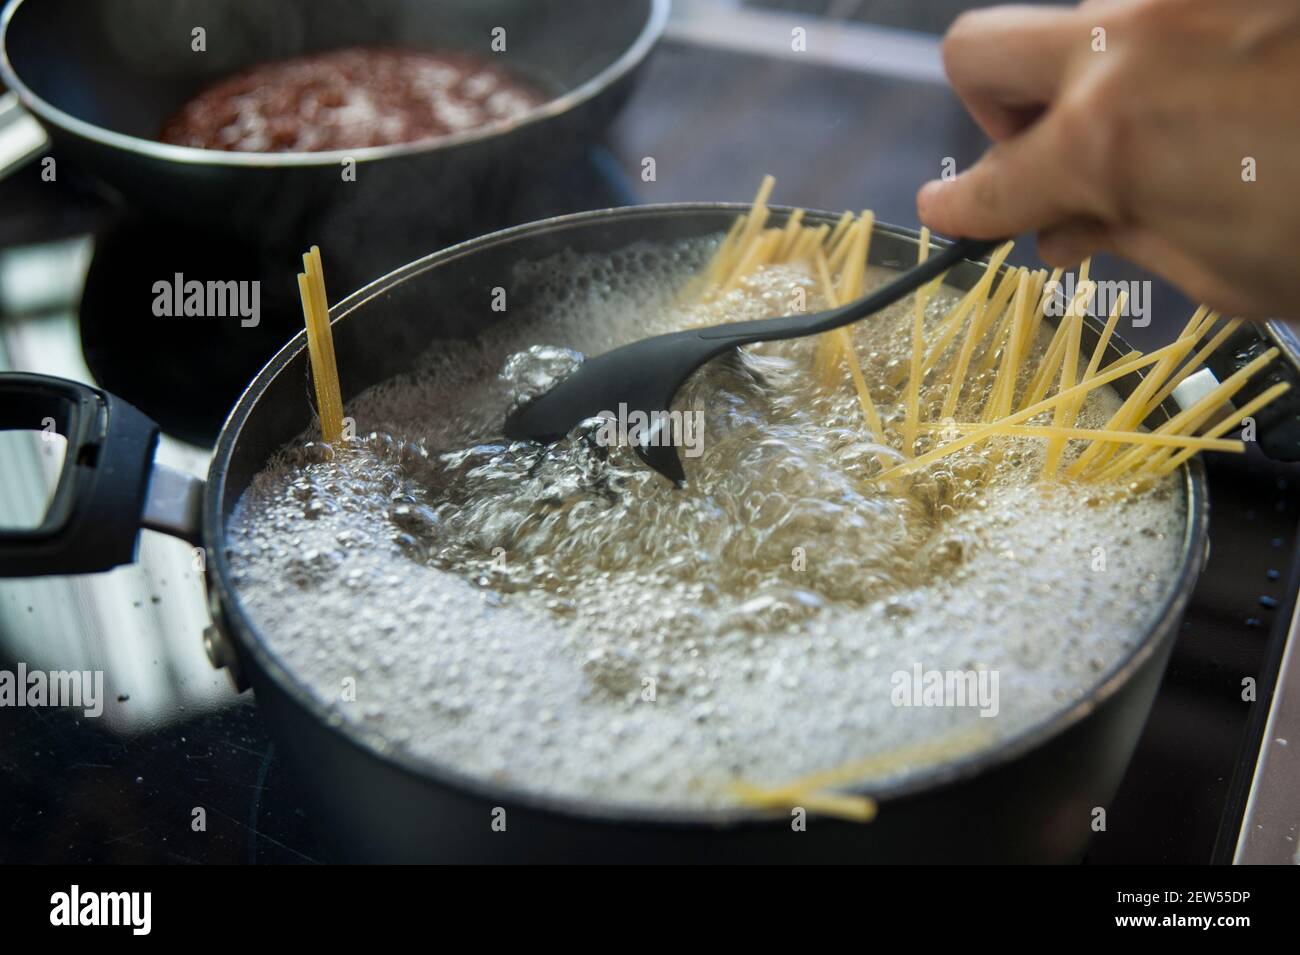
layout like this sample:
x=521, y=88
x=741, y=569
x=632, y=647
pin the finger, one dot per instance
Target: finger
x=1200, y=278
x=1019, y=185
x=1069, y=243
x=1006, y=63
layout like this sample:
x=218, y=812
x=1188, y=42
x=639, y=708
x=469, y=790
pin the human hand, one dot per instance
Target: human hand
x=1171, y=139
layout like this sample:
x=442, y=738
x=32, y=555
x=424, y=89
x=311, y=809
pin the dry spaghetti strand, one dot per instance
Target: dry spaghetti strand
x=990, y=333
x=320, y=347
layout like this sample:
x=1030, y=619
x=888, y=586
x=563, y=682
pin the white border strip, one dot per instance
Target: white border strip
x=887, y=51
x=1270, y=826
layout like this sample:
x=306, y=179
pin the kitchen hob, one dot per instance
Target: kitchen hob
x=180, y=769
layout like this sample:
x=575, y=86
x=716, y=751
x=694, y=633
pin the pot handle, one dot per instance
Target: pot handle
x=109, y=486
x=1278, y=425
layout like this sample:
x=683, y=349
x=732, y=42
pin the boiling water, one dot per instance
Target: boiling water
x=564, y=620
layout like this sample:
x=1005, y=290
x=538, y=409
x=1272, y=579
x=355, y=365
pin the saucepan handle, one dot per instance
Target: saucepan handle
x=1278, y=425
x=109, y=486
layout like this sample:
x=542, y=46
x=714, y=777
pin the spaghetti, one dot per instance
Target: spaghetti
x=320, y=346
x=992, y=329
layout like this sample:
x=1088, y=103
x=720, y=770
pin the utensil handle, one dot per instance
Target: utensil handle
x=911, y=280
x=96, y=512
x=795, y=326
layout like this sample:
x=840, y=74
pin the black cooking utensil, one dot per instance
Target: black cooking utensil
x=644, y=376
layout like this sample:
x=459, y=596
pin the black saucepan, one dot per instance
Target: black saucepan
x=1031, y=798
x=102, y=76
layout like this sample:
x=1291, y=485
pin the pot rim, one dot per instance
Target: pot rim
x=629, y=59
x=934, y=777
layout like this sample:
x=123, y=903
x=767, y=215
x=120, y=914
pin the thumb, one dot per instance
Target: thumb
x=1016, y=187
x=1069, y=243
x=1201, y=280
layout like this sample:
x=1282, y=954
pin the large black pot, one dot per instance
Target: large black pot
x=1031, y=798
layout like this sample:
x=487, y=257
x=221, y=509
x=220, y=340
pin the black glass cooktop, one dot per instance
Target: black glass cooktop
x=130, y=787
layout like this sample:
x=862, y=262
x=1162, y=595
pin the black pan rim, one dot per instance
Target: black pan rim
x=1165, y=620
x=567, y=102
